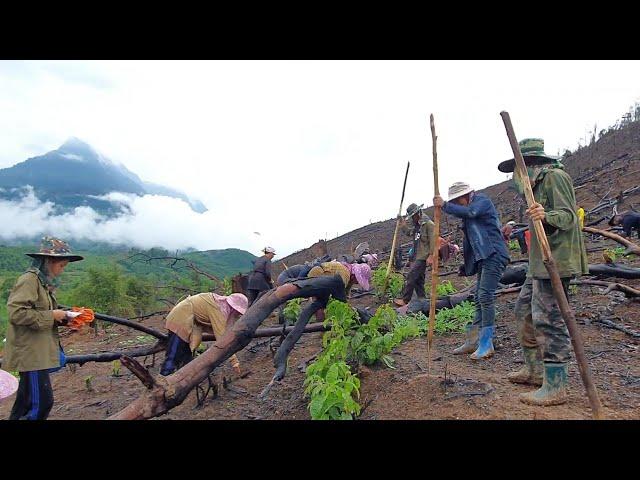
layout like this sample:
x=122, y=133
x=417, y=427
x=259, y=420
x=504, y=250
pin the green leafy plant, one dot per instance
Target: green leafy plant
x=514, y=245
x=329, y=381
x=292, y=309
x=332, y=387
x=573, y=289
x=115, y=368
x=614, y=253
x=394, y=284
x=442, y=289
x=448, y=320
x=87, y=383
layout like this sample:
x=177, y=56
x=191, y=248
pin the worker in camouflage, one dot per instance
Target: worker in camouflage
x=423, y=243
x=543, y=334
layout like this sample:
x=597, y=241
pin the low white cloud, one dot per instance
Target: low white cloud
x=152, y=221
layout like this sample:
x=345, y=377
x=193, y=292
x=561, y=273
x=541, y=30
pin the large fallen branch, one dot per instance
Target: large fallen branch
x=626, y=289
x=111, y=356
x=614, y=270
x=631, y=247
x=169, y=392
x=128, y=323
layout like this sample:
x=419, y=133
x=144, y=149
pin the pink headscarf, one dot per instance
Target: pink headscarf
x=362, y=271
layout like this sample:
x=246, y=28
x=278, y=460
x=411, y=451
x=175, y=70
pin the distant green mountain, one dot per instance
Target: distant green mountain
x=220, y=263
x=75, y=175
x=145, y=276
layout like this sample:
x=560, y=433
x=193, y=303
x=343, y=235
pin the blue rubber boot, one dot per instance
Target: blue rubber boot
x=485, y=345
x=471, y=341
x=554, y=387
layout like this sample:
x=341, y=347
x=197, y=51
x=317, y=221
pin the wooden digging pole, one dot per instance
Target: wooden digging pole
x=434, y=253
x=395, y=234
x=549, y=263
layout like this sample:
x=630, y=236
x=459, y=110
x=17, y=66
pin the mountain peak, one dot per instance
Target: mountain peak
x=79, y=148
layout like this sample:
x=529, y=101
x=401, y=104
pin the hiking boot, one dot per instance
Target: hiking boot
x=554, y=387
x=485, y=344
x=471, y=341
x=531, y=371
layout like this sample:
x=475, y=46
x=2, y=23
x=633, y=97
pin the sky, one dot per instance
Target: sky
x=296, y=151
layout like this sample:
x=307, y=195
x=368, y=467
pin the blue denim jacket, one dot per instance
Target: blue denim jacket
x=482, y=236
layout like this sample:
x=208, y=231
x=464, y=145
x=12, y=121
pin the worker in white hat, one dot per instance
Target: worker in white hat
x=486, y=254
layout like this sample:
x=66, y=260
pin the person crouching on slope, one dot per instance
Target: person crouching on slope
x=197, y=314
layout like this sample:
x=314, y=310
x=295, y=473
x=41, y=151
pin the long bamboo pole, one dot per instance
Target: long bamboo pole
x=556, y=283
x=395, y=233
x=434, y=253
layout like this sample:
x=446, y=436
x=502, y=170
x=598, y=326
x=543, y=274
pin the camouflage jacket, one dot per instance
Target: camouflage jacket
x=554, y=191
x=423, y=238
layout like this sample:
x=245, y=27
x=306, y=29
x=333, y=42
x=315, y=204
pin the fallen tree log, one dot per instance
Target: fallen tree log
x=631, y=247
x=128, y=323
x=111, y=356
x=614, y=270
x=168, y=392
x=626, y=289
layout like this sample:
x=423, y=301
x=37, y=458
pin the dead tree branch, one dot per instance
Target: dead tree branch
x=627, y=290
x=139, y=371
x=188, y=263
x=631, y=247
x=616, y=326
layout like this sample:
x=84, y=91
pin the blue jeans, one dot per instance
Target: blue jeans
x=490, y=271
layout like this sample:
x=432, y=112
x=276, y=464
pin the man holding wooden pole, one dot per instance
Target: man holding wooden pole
x=542, y=332
x=485, y=254
x=423, y=243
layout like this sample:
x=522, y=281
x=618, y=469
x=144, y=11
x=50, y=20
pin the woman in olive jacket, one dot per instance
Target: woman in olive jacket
x=33, y=344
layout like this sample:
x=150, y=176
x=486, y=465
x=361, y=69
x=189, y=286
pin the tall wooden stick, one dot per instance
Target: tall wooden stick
x=395, y=233
x=434, y=253
x=556, y=283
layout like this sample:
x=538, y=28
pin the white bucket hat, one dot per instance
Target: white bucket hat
x=459, y=189
x=269, y=250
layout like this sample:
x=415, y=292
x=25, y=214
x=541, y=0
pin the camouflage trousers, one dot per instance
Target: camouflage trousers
x=540, y=324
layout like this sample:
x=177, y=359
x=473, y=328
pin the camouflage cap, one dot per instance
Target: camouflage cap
x=54, y=247
x=533, y=153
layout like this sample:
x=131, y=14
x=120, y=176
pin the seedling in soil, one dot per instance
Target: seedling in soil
x=115, y=370
x=87, y=383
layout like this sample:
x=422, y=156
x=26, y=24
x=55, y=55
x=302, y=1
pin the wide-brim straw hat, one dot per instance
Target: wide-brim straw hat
x=459, y=189
x=532, y=150
x=55, y=248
